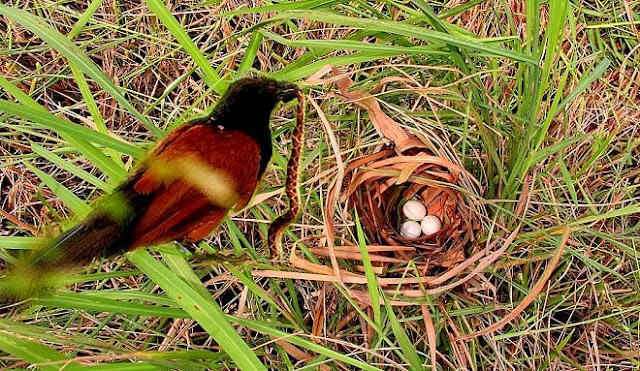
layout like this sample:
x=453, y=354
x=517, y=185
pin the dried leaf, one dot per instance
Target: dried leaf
x=385, y=125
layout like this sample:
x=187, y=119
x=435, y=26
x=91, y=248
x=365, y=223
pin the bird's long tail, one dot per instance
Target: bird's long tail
x=104, y=232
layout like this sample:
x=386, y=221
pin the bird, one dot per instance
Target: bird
x=181, y=191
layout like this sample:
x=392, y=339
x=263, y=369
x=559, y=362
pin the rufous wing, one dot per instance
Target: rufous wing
x=195, y=176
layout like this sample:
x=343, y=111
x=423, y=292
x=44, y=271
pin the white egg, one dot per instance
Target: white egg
x=414, y=210
x=410, y=229
x=430, y=224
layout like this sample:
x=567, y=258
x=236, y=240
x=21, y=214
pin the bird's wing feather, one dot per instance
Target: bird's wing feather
x=194, y=177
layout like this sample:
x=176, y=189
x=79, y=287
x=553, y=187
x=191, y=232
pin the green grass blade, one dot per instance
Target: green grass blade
x=557, y=20
x=533, y=27
x=67, y=166
x=43, y=333
x=113, y=170
x=71, y=51
x=397, y=28
x=308, y=66
x=171, y=23
x=598, y=148
x=250, y=54
x=119, y=294
x=560, y=85
x=357, y=45
x=207, y=313
x=120, y=366
x=22, y=243
x=264, y=328
x=584, y=83
x=73, y=202
x=284, y=6
x=234, y=235
x=623, y=211
x=541, y=154
x=30, y=351
x=98, y=120
x=555, y=148
x=531, y=78
x=179, y=266
x=97, y=303
x=459, y=8
x=84, y=18
x=408, y=349
x=69, y=130
x=259, y=292
x=372, y=281
x=568, y=181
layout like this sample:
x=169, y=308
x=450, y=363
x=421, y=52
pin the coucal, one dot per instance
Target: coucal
x=181, y=191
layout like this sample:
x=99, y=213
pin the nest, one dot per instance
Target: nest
x=407, y=167
x=379, y=184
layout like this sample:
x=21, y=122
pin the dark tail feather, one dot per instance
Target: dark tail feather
x=103, y=233
x=98, y=235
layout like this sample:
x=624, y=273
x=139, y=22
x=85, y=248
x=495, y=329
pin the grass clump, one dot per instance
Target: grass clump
x=538, y=101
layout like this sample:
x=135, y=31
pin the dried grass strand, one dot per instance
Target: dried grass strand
x=531, y=296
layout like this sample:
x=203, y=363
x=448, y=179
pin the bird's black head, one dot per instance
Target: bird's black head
x=247, y=106
x=248, y=103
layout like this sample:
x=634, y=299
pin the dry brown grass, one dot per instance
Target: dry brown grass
x=580, y=315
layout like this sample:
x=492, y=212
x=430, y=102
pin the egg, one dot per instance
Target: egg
x=414, y=210
x=430, y=224
x=410, y=229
